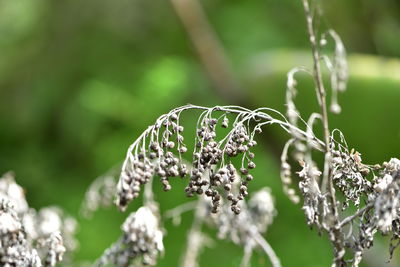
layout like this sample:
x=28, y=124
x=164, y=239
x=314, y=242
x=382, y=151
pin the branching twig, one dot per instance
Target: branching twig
x=355, y=215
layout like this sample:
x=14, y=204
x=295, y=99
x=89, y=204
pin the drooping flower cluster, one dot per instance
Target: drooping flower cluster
x=30, y=238
x=142, y=239
x=156, y=157
x=159, y=151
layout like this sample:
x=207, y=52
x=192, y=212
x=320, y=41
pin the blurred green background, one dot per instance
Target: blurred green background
x=80, y=80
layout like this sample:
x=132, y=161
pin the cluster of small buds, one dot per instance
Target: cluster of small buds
x=158, y=158
x=142, y=239
x=28, y=236
x=208, y=155
x=129, y=182
x=211, y=154
x=212, y=172
x=349, y=175
x=239, y=142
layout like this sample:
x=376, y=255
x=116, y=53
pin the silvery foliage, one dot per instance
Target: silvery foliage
x=343, y=198
x=28, y=237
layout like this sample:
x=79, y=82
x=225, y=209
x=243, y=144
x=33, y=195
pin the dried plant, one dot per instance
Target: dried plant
x=343, y=198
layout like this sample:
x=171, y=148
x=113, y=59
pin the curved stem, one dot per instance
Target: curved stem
x=267, y=249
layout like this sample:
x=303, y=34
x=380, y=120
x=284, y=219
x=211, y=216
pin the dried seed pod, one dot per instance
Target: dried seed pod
x=251, y=165
x=182, y=149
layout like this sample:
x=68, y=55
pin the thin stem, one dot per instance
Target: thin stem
x=321, y=92
x=148, y=196
x=267, y=249
x=195, y=239
x=336, y=235
x=178, y=210
x=248, y=250
x=355, y=215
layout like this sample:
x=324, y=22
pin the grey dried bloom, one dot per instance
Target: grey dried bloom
x=389, y=185
x=11, y=191
x=29, y=238
x=262, y=209
x=54, y=249
x=14, y=248
x=349, y=176
x=387, y=203
x=381, y=213
x=51, y=221
x=141, y=240
x=315, y=203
